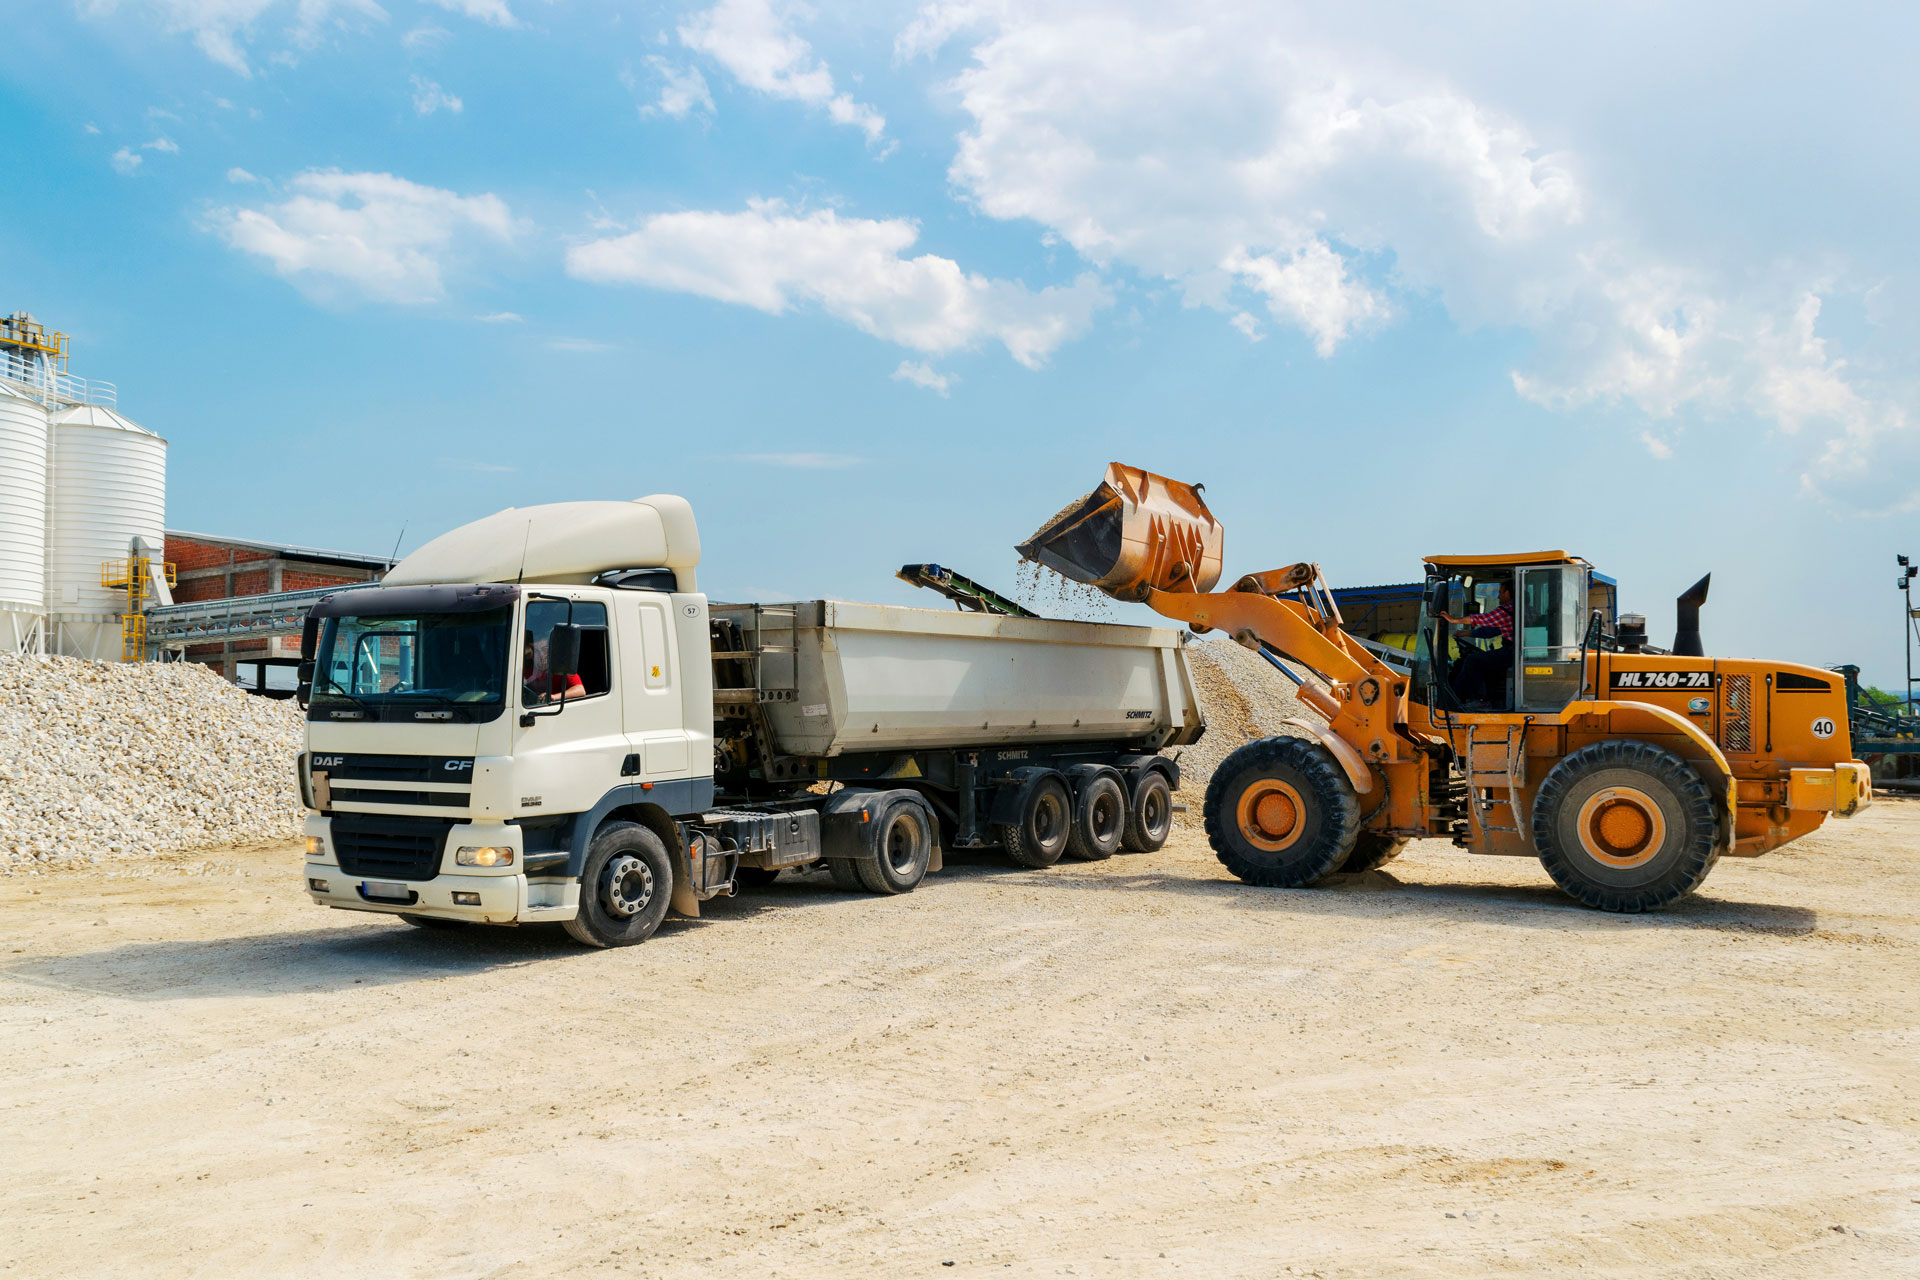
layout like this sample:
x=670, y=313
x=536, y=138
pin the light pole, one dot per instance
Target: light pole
x=1907, y=571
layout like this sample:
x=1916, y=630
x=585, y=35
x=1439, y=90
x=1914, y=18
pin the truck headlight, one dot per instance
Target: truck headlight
x=316, y=847
x=486, y=855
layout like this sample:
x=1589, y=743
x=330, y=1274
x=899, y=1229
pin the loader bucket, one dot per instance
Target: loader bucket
x=1137, y=532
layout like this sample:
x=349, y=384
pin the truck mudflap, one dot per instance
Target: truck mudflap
x=1843, y=790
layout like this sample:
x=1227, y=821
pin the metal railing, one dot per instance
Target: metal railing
x=53, y=387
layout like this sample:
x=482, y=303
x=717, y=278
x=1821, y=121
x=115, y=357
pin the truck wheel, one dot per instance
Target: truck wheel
x=1280, y=813
x=902, y=844
x=755, y=877
x=432, y=922
x=1040, y=836
x=1099, y=819
x=1625, y=826
x=1149, y=814
x=624, y=888
x=1371, y=851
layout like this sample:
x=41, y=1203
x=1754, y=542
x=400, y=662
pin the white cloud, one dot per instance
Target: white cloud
x=492, y=12
x=1235, y=151
x=223, y=28
x=429, y=97
x=364, y=234
x=852, y=268
x=126, y=160
x=801, y=461
x=684, y=89
x=240, y=175
x=759, y=47
x=501, y=317
x=922, y=374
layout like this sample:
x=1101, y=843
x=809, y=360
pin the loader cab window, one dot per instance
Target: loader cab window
x=539, y=686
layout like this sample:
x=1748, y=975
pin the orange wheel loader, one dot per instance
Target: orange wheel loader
x=1520, y=726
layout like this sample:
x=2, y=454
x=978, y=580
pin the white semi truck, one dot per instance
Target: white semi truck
x=538, y=717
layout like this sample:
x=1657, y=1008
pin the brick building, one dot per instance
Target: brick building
x=211, y=568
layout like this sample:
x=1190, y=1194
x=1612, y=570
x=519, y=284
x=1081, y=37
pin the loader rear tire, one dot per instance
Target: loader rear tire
x=1099, y=819
x=1371, y=851
x=1280, y=813
x=1626, y=826
x=1039, y=837
x=1149, y=814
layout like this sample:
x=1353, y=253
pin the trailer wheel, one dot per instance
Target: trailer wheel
x=1099, y=819
x=1149, y=814
x=1625, y=826
x=624, y=888
x=902, y=845
x=1280, y=813
x=1371, y=851
x=431, y=922
x=1039, y=837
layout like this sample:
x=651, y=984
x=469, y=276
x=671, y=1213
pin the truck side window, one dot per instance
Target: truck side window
x=595, y=675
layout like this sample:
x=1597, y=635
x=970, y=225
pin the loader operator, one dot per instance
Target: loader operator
x=1479, y=675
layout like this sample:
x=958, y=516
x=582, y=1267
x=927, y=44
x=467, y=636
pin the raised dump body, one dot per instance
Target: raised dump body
x=834, y=677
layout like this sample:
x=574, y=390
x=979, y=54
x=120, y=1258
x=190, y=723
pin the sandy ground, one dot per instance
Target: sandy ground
x=1136, y=1068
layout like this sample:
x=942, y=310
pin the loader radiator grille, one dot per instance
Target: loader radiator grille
x=1736, y=713
x=396, y=848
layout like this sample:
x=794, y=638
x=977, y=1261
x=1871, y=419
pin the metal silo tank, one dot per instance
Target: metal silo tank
x=23, y=520
x=109, y=487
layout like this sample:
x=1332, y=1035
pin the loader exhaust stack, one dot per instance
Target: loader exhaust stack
x=1136, y=533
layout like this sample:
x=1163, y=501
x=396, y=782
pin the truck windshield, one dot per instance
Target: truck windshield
x=438, y=666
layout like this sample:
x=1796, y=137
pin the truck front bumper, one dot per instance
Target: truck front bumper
x=1843, y=790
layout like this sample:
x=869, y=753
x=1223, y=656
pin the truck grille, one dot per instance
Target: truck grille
x=1736, y=713
x=395, y=848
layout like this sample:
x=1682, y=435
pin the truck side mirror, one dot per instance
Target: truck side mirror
x=563, y=650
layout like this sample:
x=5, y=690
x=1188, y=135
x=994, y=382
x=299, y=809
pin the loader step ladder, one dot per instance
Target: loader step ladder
x=1512, y=773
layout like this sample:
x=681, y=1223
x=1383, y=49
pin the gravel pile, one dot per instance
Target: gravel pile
x=104, y=762
x=1244, y=698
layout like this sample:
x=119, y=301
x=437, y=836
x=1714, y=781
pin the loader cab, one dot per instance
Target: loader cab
x=1541, y=668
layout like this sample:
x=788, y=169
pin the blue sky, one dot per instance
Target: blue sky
x=872, y=284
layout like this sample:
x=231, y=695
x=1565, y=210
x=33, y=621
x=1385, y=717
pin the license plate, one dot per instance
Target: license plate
x=386, y=889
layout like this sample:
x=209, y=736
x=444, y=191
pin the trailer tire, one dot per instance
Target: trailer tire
x=1371, y=851
x=1039, y=836
x=902, y=847
x=1099, y=819
x=431, y=922
x=624, y=887
x=1625, y=826
x=1280, y=813
x=1149, y=814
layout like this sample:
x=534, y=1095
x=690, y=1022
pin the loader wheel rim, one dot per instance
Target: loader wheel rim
x=1622, y=827
x=1271, y=815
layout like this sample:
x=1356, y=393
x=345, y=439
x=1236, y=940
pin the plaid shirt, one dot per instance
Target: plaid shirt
x=1501, y=618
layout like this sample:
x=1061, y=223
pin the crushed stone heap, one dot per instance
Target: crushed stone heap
x=110, y=762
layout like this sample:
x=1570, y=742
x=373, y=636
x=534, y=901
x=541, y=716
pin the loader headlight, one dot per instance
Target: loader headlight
x=486, y=855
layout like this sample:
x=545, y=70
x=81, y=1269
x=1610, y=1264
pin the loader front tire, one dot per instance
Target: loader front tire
x=1280, y=813
x=1371, y=851
x=1626, y=826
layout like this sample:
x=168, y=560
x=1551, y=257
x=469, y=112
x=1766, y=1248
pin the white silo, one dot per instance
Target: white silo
x=109, y=486
x=23, y=520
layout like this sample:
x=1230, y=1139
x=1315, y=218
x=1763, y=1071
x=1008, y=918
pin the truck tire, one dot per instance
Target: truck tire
x=1149, y=814
x=1039, y=837
x=1280, y=813
x=1099, y=819
x=902, y=845
x=1625, y=826
x=1371, y=851
x=431, y=922
x=624, y=888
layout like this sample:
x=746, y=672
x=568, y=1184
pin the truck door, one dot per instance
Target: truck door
x=655, y=719
x=567, y=752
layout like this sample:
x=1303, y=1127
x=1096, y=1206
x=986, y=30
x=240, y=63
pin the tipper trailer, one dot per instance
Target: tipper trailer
x=538, y=717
